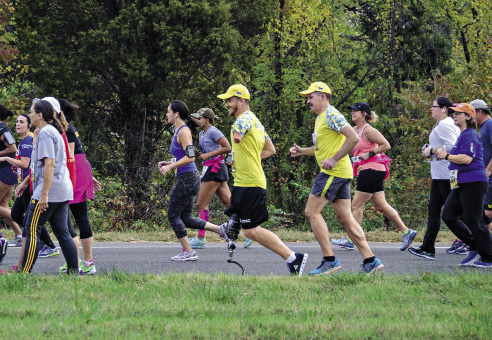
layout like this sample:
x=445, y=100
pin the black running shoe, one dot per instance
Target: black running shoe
x=3, y=249
x=296, y=267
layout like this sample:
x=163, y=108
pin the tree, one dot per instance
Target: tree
x=124, y=61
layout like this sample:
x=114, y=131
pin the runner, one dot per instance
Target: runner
x=371, y=166
x=443, y=135
x=7, y=178
x=52, y=188
x=251, y=144
x=85, y=187
x=469, y=183
x=333, y=138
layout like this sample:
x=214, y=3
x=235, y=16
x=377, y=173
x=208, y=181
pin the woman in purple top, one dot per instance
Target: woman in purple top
x=469, y=183
x=213, y=145
x=187, y=181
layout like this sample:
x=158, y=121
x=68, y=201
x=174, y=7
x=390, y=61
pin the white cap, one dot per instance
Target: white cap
x=54, y=103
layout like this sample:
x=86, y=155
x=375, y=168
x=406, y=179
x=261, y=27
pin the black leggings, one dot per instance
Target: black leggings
x=466, y=202
x=79, y=212
x=181, y=204
x=17, y=213
x=439, y=192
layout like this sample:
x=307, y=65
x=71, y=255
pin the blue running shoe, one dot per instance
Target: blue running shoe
x=407, y=239
x=455, y=246
x=482, y=264
x=247, y=242
x=472, y=257
x=326, y=267
x=463, y=250
x=372, y=267
x=196, y=243
x=3, y=249
x=343, y=243
x=48, y=252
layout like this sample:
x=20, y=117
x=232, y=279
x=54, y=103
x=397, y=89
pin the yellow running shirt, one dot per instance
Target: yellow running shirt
x=328, y=139
x=247, y=160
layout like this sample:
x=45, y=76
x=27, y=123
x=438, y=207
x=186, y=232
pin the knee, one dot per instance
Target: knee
x=250, y=233
x=310, y=214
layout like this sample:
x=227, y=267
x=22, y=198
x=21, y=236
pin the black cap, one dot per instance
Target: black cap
x=360, y=106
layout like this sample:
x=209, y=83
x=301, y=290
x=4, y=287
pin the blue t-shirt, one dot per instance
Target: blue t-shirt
x=486, y=137
x=468, y=143
x=208, y=141
x=24, y=150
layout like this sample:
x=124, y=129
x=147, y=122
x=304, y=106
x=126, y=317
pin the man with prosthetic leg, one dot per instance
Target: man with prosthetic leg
x=251, y=144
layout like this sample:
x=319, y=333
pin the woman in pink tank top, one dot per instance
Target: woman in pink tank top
x=371, y=168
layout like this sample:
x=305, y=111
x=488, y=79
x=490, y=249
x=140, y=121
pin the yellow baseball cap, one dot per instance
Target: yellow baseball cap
x=236, y=90
x=316, y=87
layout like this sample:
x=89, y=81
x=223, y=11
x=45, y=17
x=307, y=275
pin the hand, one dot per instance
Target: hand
x=204, y=156
x=441, y=153
x=163, y=163
x=295, y=151
x=329, y=163
x=3, y=159
x=364, y=156
x=427, y=152
x=20, y=189
x=97, y=184
x=43, y=202
x=164, y=169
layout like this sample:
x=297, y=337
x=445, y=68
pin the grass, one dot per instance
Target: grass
x=201, y=306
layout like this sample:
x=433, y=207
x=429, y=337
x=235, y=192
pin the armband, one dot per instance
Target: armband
x=372, y=153
x=190, y=151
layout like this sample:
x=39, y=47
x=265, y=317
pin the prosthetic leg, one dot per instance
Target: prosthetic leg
x=232, y=230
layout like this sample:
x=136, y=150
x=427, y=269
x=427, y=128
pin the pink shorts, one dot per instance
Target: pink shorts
x=84, y=186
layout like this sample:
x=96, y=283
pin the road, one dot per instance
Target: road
x=256, y=260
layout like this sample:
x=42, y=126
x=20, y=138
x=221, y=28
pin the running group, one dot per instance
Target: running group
x=460, y=160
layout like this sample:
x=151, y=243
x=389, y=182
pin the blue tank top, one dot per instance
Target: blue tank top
x=178, y=152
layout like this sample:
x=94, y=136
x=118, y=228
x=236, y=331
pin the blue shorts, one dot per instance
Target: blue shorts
x=7, y=176
x=331, y=187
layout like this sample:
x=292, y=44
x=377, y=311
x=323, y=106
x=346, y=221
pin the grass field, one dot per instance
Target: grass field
x=200, y=306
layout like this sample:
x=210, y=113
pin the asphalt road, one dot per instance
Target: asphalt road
x=256, y=260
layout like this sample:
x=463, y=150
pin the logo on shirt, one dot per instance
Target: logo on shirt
x=472, y=148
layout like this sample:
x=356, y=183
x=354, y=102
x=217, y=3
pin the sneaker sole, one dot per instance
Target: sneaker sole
x=342, y=247
x=332, y=270
x=50, y=255
x=197, y=247
x=246, y=245
x=376, y=270
x=184, y=260
x=90, y=272
x=421, y=255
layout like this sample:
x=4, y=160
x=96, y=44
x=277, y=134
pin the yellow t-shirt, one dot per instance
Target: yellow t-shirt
x=247, y=160
x=328, y=139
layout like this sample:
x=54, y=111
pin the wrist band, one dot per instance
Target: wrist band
x=372, y=153
x=447, y=155
x=431, y=152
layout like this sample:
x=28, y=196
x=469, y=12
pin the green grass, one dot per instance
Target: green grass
x=201, y=306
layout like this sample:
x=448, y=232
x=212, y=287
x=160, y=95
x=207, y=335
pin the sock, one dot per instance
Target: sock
x=348, y=239
x=88, y=263
x=204, y=215
x=406, y=232
x=369, y=259
x=291, y=258
x=329, y=258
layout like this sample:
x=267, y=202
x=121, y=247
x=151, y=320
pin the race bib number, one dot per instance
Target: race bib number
x=453, y=179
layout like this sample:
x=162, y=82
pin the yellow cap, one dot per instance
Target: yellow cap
x=316, y=87
x=236, y=90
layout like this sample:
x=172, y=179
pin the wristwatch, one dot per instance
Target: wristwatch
x=372, y=153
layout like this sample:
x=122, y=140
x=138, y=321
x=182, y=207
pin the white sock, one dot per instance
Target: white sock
x=291, y=258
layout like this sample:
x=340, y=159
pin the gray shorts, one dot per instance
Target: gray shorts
x=331, y=187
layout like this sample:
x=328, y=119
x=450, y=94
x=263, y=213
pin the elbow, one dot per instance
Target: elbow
x=227, y=149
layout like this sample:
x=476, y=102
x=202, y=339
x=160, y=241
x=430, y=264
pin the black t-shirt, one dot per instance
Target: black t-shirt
x=6, y=136
x=73, y=137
